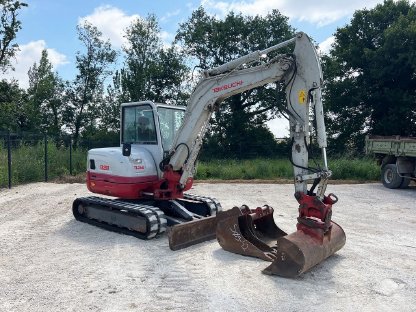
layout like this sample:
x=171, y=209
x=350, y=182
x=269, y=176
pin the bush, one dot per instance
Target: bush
x=360, y=169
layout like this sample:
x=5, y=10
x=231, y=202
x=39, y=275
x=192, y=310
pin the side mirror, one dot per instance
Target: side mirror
x=126, y=149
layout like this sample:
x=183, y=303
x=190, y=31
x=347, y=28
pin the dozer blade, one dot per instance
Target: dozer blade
x=193, y=232
x=298, y=252
x=249, y=232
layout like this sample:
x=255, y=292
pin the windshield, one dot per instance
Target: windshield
x=170, y=120
x=138, y=125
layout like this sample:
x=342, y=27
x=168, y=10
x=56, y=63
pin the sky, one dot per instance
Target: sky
x=51, y=25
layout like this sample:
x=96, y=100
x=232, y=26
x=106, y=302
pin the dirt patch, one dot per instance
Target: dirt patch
x=50, y=262
x=79, y=178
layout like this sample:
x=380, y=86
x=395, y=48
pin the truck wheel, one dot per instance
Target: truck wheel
x=406, y=182
x=390, y=177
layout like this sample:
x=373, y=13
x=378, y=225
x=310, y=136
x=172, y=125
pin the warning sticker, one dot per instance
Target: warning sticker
x=302, y=96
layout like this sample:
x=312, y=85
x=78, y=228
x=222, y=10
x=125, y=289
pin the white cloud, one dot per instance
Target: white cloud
x=29, y=54
x=321, y=13
x=112, y=22
x=279, y=127
x=167, y=38
x=325, y=45
x=169, y=15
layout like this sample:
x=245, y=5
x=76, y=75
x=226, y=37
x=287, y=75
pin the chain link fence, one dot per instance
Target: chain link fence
x=32, y=157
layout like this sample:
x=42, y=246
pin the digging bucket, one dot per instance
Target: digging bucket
x=316, y=238
x=249, y=232
x=298, y=252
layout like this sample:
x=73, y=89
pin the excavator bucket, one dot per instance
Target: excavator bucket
x=253, y=232
x=298, y=252
x=250, y=232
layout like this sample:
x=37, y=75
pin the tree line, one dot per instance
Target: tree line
x=369, y=78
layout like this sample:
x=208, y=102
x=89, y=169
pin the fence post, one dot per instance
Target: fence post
x=70, y=155
x=45, y=139
x=9, y=159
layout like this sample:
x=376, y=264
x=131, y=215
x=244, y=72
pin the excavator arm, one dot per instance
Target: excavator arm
x=302, y=75
x=243, y=230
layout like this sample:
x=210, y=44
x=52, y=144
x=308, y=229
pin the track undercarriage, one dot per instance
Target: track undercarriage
x=147, y=219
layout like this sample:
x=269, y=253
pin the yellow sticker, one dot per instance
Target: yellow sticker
x=302, y=97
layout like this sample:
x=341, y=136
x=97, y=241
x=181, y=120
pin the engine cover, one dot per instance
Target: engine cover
x=111, y=173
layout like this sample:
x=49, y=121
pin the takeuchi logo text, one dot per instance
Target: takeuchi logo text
x=228, y=86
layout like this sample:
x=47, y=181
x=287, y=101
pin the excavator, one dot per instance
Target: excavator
x=144, y=180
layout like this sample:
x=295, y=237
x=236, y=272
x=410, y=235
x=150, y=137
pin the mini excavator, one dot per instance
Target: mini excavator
x=147, y=176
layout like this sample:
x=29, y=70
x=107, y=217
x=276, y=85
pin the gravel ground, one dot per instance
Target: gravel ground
x=50, y=262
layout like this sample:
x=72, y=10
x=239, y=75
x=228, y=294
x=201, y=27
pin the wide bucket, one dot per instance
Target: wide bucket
x=249, y=232
x=298, y=252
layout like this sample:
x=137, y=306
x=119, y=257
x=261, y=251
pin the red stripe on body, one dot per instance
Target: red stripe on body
x=122, y=187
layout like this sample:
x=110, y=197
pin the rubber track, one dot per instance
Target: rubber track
x=213, y=204
x=155, y=218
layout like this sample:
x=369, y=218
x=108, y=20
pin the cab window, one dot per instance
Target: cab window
x=170, y=120
x=138, y=125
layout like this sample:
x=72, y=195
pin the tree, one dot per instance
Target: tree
x=370, y=76
x=85, y=92
x=110, y=111
x=212, y=42
x=45, y=92
x=151, y=71
x=107, y=130
x=10, y=25
x=15, y=111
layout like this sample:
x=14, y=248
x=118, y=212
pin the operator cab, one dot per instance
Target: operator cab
x=148, y=123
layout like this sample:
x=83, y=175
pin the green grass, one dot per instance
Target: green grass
x=364, y=169
x=28, y=166
x=244, y=169
x=28, y=163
